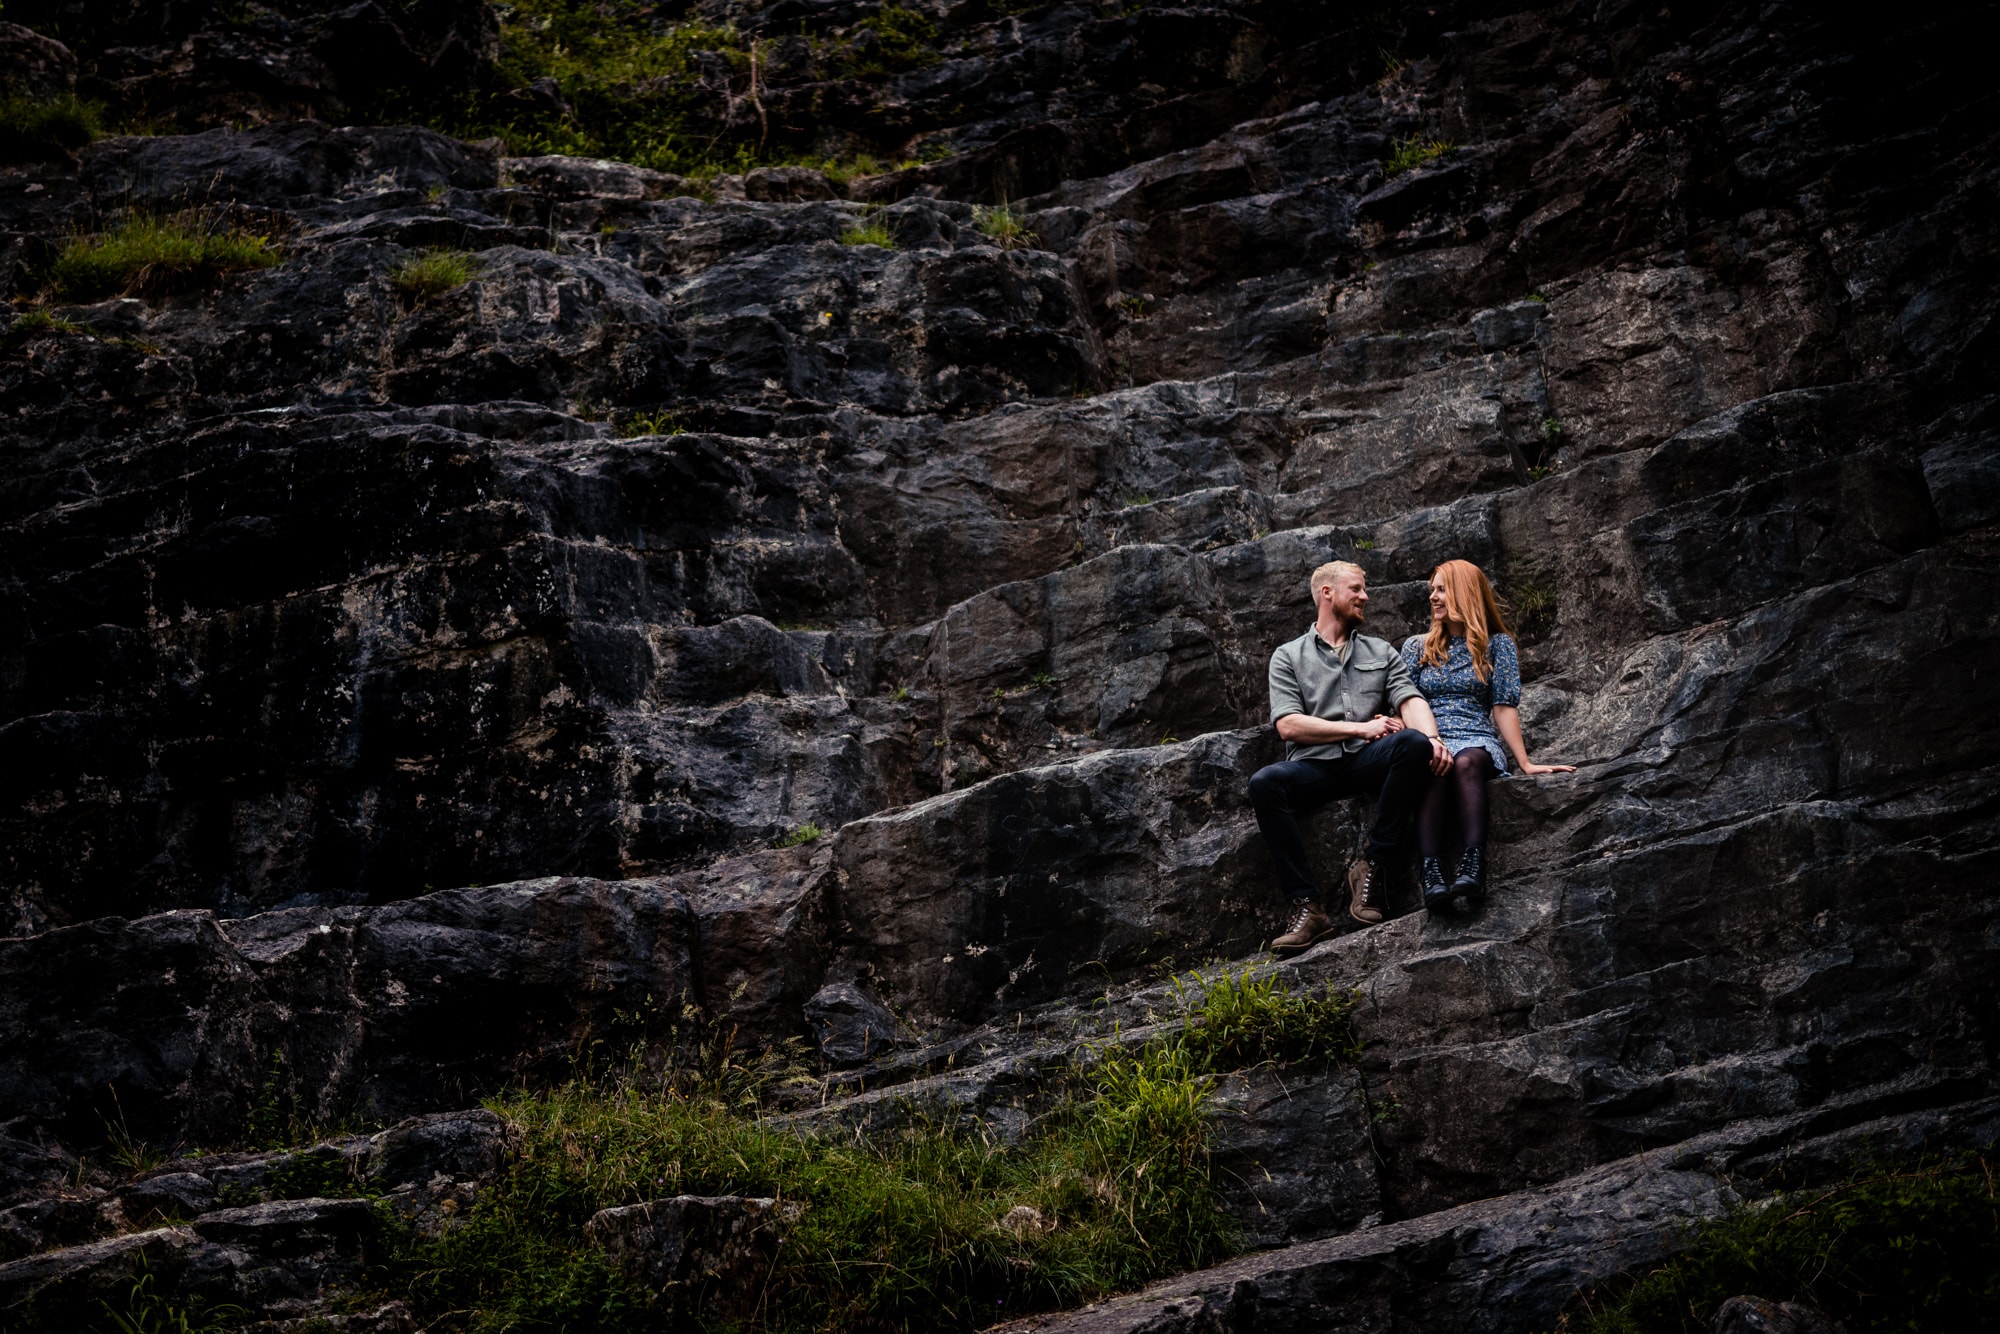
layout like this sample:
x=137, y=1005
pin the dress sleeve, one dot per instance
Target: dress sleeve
x=1506, y=671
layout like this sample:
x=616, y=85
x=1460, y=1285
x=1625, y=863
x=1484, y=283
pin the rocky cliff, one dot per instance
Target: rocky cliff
x=400, y=686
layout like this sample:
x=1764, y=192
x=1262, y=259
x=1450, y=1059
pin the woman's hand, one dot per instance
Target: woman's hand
x=1533, y=769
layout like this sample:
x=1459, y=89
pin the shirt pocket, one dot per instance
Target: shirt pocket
x=1368, y=678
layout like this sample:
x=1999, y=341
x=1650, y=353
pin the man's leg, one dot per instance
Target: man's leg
x=1282, y=795
x=1398, y=769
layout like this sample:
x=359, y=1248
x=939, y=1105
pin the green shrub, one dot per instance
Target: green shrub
x=902, y=1234
x=1413, y=152
x=930, y=1227
x=152, y=255
x=901, y=40
x=632, y=85
x=1914, y=1249
x=432, y=273
x=1006, y=228
x=31, y=130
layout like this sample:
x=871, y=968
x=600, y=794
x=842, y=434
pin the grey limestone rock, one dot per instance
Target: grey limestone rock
x=1754, y=1315
x=849, y=1026
x=34, y=66
x=695, y=1254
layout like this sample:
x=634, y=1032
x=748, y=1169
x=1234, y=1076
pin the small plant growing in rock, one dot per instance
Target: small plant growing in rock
x=803, y=834
x=652, y=423
x=1137, y=499
x=1237, y=1019
x=1003, y=226
x=900, y=695
x=1364, y=544
x=870, y=230
x=146, y=1311
x=1042, y=681
x=32, y=130
x=1132, y=306
x=1532, y=603
x=433, y=273
x=151, y=255
x=39, y=324
x=1413, y=152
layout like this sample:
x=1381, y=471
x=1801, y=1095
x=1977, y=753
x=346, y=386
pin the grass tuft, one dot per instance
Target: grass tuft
x=38, y=323
x=1235, y=1020
x=803, y=834
x=869, y=231
x=432, y=274
x=1909, y=1248
x=1003, y=226
x=1413, y=152
x=652, y=423
x=32, y=130
x=152, y=255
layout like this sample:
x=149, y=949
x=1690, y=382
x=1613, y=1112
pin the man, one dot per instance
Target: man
x=1354, y=724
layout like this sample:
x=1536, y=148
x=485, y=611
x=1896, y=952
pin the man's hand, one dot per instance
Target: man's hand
x=1378, y=727
x=1440, y=757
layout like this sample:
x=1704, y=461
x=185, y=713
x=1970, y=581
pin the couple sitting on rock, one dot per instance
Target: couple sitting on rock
x=1420, y=731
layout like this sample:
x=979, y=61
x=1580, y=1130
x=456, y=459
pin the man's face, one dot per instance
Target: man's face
x=1346, y=596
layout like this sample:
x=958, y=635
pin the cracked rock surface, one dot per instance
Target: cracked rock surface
x=411, y=688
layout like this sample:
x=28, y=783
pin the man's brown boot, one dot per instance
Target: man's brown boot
x=1368, y=890
x=1307, y=925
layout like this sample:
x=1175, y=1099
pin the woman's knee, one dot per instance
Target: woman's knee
x=1473, y=761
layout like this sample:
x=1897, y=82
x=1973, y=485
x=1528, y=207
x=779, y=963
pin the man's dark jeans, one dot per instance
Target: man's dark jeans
x=1394, y=770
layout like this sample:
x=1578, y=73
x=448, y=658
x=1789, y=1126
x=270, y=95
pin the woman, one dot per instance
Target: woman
x=1469, y=670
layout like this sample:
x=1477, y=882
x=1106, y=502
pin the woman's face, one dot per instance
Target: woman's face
x=1437, y=599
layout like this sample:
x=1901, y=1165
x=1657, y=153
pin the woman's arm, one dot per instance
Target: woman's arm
x=1416, y=712
x=1508, y=719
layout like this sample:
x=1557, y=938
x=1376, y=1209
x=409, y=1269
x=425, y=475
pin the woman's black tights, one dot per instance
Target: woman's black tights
x=1459, y=790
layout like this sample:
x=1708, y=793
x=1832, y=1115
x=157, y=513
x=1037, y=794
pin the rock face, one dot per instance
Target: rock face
x=700, y=1252
x=683, y=525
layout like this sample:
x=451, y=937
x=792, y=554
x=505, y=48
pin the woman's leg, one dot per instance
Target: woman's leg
x=1434, y=817
x=1471, y=770
x=1434, y=820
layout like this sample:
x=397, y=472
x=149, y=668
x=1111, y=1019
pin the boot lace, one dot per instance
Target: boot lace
x=1301, y=911
x=1371, y=884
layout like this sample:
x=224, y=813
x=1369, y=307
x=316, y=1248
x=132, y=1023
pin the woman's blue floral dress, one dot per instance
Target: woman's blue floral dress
x=1462, y=702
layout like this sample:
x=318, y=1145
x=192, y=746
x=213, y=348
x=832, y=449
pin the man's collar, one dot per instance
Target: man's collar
x=1352, y=631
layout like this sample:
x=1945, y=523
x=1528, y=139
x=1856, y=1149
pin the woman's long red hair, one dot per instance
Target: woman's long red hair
x=1470, y=600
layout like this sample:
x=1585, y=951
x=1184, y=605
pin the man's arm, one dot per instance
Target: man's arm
x=1307, y=730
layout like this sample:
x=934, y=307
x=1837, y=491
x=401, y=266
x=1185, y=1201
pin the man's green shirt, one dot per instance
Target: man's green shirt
x=1350, y=685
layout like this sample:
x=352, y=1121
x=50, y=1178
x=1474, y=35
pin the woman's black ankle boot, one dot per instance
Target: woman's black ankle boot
x=1431, y=878
x=1469, y=885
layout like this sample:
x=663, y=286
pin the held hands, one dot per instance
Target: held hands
x=1378, y=727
